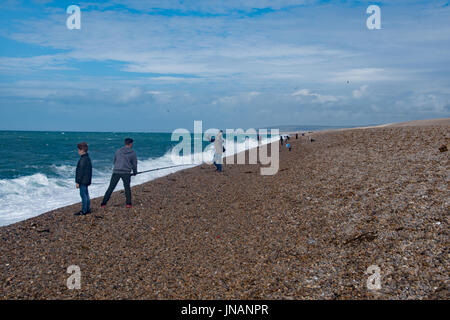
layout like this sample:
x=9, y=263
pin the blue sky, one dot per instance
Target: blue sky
x=142, y=65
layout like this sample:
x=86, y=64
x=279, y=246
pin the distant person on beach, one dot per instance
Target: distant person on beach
x=288, y=145
x=218, y=151
x=125, y=162
x=281, y=140
x=83, y=178
x=296, y=136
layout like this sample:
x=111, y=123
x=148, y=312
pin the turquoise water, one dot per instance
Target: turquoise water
x=26, y=153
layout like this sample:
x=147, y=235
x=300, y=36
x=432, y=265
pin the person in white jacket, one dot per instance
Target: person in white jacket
x=218, y=148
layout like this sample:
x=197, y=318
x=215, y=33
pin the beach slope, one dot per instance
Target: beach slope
x=347, y=201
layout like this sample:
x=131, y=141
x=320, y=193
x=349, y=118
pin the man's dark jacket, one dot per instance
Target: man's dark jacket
x=84, y=170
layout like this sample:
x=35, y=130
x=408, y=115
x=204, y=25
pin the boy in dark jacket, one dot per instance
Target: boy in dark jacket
x=125, y=162
x=83, y=178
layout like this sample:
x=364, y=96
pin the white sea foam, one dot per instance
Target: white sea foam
x=29, y=196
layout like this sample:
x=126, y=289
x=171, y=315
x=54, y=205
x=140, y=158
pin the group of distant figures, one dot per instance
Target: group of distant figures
x=285, y=140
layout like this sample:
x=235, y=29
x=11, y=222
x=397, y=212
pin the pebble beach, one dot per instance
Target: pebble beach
x=351, y=199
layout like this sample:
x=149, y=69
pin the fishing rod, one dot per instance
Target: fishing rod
x=181, y=165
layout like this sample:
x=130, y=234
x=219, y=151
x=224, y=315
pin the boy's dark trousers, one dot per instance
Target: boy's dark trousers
x=85, y=200
x=126, y=178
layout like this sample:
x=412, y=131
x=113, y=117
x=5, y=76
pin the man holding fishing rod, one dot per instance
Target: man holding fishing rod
x=125, y=162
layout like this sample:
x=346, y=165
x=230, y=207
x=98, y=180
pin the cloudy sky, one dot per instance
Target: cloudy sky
x=147, y=65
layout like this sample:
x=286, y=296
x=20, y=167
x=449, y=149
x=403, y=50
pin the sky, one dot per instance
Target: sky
x=141, y=65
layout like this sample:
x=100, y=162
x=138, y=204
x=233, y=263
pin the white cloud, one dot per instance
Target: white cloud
x=319, y=97
x=365, y=75
x=186, y=45
x=361, y=92
x=425, y=103
x=35, y=63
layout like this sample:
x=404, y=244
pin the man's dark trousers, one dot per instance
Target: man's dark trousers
x=126, y=177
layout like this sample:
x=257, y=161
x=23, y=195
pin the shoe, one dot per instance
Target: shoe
x=129, y=206
x=85, y=213
x=103, y=206
x=79, y=213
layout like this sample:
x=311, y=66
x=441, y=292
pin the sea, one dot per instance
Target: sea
x=37, y=169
